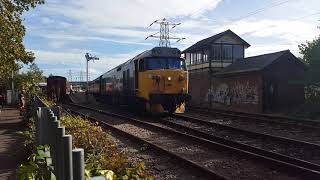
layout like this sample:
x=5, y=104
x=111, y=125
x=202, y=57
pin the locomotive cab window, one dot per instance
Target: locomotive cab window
x=165, y=63
x=141, y=65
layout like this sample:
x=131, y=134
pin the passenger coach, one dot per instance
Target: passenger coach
x=155, y=80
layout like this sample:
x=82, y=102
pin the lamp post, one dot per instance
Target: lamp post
x=89, y=57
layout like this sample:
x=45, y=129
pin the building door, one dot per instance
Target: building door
x=270, y=95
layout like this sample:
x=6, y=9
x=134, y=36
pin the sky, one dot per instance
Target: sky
x=60, y=32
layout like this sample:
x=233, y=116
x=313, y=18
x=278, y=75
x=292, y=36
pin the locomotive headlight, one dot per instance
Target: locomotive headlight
x=169, y=78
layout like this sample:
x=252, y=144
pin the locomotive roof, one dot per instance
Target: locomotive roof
x=159, y=52
x=154, y=52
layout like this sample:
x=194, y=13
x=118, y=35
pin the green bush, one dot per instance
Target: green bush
x=36, y=168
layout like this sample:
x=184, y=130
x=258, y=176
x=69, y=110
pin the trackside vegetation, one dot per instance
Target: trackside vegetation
x=102, y=155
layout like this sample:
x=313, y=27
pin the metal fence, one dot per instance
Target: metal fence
x=66, y=163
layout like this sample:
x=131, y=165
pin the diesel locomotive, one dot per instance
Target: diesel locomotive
x=155, y=81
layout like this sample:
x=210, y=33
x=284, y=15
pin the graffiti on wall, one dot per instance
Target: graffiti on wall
x=236, y=93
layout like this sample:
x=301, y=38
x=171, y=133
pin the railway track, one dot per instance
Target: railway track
x=295, y=152
x=208, y=156
x=267, y=126
x=277, y=119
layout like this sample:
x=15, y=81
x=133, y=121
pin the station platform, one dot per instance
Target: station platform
x=11, y=144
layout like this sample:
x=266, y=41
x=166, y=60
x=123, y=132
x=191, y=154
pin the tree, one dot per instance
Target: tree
x=12, y=32
x=29, y=81
x=311, y=55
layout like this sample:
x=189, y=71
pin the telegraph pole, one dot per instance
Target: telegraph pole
x=89, y=57
x=164, y=33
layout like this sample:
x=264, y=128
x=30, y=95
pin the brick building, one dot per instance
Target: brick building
x=221, y=76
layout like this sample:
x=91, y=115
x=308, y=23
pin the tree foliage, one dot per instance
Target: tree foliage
x=12, y=32
x=311, y=55
x=29, y=80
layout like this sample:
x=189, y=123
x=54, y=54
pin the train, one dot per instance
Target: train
x=155, y=81
x=56, y=88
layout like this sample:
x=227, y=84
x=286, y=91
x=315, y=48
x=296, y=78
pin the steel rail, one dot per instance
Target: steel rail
x=202, y=171
x=240, y=130
x=262, y=152
x=312, y=124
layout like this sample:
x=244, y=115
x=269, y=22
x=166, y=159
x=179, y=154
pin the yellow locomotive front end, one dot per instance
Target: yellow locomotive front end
x=163, y=83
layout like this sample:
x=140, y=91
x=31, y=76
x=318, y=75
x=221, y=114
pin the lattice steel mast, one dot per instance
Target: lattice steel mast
x=164, y=33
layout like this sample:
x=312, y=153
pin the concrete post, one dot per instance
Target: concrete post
x=67, y=150
x=45, y=126
x=59, y=151
x=51, y=135
x=78, y=164
x=38, y=126
x=53, y=148
x=56, y=111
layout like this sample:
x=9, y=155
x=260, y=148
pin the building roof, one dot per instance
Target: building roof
x=255, y=63
x=210, y=40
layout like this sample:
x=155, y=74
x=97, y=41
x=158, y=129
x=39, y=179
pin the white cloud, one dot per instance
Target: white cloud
x=75, y=60
x=136, y=13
